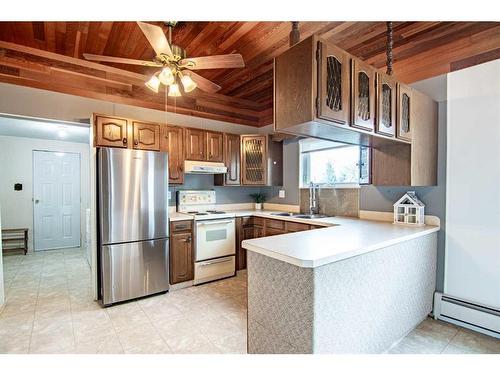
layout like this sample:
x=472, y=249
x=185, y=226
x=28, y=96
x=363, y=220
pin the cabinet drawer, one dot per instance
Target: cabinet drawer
x=258, y=221
x=275, y=224
x=296, y=227
x=273, y=231
x=184, y=225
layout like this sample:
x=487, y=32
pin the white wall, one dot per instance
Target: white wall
x=472, y=260
x=2, y=292
x=16, y=165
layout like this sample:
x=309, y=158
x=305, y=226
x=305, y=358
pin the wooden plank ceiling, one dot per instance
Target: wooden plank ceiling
x=48, y=55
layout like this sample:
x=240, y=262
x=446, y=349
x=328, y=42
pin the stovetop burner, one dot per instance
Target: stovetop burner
x=216, y=212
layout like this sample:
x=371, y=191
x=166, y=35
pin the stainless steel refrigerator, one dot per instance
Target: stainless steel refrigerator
x=133, y=223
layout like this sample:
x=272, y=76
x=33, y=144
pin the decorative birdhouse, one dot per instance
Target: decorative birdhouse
x=409, y=210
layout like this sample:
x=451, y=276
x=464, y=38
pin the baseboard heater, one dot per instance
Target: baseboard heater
x=467, y=314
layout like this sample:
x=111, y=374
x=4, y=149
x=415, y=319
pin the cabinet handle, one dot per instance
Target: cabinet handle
x=136, y=142
x=180, y=168
x=187, y=240
x=124, y=141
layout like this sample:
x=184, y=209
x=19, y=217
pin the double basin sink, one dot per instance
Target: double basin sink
x=299, y=216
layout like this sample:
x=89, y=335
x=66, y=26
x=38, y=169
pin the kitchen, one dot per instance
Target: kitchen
x=282, y=214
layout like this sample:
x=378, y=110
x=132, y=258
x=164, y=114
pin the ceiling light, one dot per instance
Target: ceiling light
x=173, y=90
x=153, y=83
x=166, y=76
x=188, y=83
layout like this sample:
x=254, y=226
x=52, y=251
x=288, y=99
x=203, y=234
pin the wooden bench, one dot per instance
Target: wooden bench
x=16, y=236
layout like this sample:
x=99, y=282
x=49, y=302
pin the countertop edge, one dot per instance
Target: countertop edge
x=304, y=263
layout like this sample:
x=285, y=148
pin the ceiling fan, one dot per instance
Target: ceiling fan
x=174, y=63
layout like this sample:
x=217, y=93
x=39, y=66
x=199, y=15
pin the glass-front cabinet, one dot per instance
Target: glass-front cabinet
x=386, y=105
x=363, y=95
x=333, y=84
x=253, y=159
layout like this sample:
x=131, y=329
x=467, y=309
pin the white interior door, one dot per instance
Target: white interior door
x=56, y=199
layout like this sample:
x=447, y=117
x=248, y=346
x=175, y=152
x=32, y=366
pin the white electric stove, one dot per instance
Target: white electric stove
x=214, y=233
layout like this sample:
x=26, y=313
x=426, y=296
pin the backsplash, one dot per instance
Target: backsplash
x=333, y=202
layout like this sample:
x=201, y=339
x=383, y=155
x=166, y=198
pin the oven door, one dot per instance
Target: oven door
x=215, y=238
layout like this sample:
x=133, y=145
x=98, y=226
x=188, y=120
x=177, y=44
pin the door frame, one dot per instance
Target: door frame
x=79, y=202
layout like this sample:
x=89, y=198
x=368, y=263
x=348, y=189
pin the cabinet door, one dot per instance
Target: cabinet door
x=363, y=95
x=146, y=136
x=172, y=141
x=273, y=231
x=404, y=118
x=215, y=146
x=254, y=156
x=195, y=144
x=111, y=132
x=258, y=232
x=232, y=149
x=247, y=234
x=386, y=105
x=181, y=258
x=333, y=83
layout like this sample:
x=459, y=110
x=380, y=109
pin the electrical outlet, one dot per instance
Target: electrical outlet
x=282, y=193
x=169, y=195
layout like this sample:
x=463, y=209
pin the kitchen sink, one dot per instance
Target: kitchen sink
x=282, y=214
x=306, y=216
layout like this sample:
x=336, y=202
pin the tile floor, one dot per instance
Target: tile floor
x=49, y=309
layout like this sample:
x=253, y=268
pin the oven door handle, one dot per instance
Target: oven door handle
x=215, y=222
x=210, y=262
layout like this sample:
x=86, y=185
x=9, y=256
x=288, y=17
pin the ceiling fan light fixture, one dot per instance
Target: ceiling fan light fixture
x=153, y=83
x=173, y=90
x=166, y=76
x=188, y=83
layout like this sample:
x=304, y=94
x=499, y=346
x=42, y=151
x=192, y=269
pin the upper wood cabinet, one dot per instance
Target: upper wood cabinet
x=172, y=141
x=333, y=83
x=215, y=146
x=386, y=105
x=253, y=159
x=232, y=160
x=195, y=144
x=363, y=95
x=111, y=131
x=146, y=136
x=404, y=112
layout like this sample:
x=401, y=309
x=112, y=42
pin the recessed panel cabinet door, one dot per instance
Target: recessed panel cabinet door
x=404, y=118
x=253, y=160
x=333, y=84
x=386, y=105
x=111, y=132
x=232, y=149
x=363, y=95
x=195, y=144
x=172, y=141
x=215, y=145
x=146, y=136
x=181, y=257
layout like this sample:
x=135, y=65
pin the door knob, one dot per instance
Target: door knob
x=37, y=201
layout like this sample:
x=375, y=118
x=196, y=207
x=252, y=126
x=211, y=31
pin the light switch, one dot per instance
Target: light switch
x=282, y=193
x=169, y=195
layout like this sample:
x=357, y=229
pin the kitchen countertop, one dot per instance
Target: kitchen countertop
x=176, y=216
x=343, y=238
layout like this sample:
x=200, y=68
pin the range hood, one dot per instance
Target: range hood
x=204, y=167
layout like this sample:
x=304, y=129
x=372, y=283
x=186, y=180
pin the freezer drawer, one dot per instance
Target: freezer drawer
x=214, y=269
x=133, y=270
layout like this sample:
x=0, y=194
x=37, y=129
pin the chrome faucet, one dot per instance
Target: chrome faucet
x=313, y=199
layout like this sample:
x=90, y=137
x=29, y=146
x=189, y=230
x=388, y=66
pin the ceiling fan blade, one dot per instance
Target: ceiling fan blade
x=119, y=60
x=203, y=83
x=214, y=62
x=156, y=38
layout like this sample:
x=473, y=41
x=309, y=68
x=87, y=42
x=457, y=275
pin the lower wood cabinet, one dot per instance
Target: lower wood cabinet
x=181, y=252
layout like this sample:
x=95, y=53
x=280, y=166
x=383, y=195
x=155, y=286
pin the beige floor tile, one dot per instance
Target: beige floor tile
x=470, y=340
x=218, y=328
x=236, y=344
x=14, y=344
x=192, y=344
x=141, y=339
x=175, y=327
x=107, y=344
x=127, y=316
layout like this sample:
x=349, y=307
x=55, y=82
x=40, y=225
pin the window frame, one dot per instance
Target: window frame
x=340, y=185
